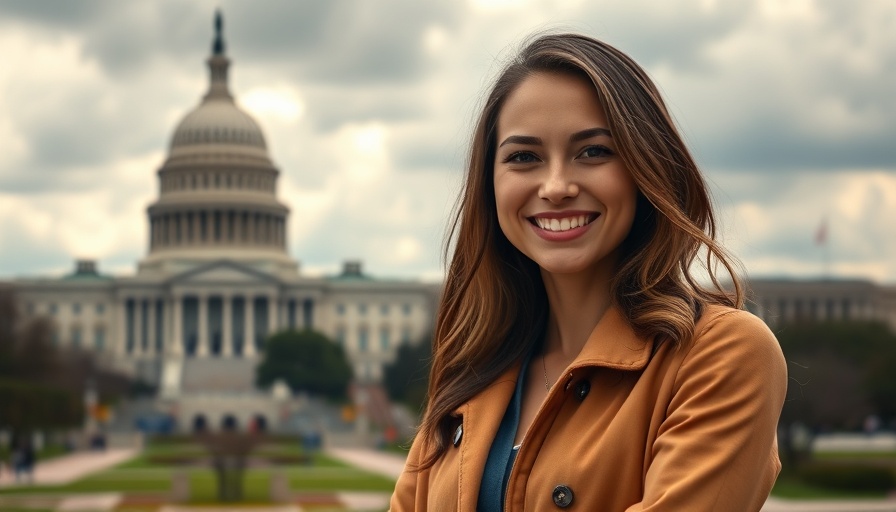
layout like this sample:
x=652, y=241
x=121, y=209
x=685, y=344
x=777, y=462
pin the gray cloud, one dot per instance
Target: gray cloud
x=350, y=43
x=674, y=34
x=329, y=107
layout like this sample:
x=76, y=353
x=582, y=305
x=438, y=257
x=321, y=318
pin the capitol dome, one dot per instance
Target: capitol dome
x=218, y=128
x=217, y=187
x=218, y=121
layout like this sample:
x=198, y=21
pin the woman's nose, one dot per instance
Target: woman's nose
x=558, y=184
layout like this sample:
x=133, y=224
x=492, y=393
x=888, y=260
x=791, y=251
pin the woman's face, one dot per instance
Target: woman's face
x=563, y=196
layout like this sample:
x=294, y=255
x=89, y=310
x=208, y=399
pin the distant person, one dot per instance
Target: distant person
x=23, y=460
x=586, y=354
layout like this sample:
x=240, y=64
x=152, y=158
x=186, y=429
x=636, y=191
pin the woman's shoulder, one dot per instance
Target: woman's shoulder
x=735, y=331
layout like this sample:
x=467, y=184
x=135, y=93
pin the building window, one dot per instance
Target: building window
x=406, y=309
x=99, y=338
x=384, y=338
x=406, y=335
x=340, y=335
x=52, y=308
x=340, y=309
x=76, y=336
x=100, y=308
x=384, y=309
x=362, y=339
x=362, y=308
x=76, y=308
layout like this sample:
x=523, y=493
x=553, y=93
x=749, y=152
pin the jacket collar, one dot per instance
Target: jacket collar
x=614, y=344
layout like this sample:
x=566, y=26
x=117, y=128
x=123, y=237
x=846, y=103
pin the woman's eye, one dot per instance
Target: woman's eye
x=596, y=152
x=521, y=157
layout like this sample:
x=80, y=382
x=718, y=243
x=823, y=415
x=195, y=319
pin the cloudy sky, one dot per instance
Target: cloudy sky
x=789, y=105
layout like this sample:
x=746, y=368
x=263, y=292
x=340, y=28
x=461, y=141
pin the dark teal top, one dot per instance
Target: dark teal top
x=502, y=454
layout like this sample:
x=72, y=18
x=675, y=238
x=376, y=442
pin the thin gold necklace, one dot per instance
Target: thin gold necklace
x=544, y=367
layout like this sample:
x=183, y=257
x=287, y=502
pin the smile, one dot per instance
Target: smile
x=563, y=223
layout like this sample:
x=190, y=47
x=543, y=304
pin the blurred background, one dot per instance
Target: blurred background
x=234, y=225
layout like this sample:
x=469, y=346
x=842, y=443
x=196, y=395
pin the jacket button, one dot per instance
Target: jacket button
x=582, y=389
x=459, y=433
x=562, y=496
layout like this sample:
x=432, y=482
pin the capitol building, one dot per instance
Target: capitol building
x=218, y=279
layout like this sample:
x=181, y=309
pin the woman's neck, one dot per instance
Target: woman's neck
x=577, y=302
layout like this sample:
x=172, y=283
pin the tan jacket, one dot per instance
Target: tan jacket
x=688, y=429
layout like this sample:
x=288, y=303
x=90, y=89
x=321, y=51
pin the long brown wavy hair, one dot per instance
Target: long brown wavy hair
x=494, y=307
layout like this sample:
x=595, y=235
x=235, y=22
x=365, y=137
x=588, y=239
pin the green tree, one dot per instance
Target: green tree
x=406, y=378
x=41, y=385
x=306, y=361
x=840, y=372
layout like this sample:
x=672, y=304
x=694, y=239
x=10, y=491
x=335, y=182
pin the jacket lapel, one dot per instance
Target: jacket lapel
x=481, y=418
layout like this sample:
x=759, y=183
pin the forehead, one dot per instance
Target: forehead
x=550, y=101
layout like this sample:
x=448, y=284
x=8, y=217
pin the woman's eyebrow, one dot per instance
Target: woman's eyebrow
x=528, y=140
x=587, y=134
x=521, y=139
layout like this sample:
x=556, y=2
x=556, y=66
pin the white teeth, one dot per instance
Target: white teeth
x=561, y=224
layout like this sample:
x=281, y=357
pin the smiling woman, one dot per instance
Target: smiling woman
x=577, y=360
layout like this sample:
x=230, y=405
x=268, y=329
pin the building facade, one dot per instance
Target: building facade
x=218, y=279
x=782, y=301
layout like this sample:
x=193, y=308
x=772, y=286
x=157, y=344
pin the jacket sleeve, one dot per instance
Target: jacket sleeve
x=716, y=448
x=406, y=494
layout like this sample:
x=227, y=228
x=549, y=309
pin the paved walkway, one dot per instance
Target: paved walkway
x=779, y=505
x=384, y=463
x=67, y=468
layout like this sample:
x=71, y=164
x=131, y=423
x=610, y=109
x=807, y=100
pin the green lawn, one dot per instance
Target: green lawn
x=792, y=488
x=141, y=475
x=855, y=456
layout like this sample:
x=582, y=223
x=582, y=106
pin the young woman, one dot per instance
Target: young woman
x=578, y=360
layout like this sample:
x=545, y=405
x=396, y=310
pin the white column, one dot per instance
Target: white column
x=121, y=320
x=138, y=327
x=249, y=326
x=227, y=321
x=151, y=328
x=177, y=336
x=169, y=219
x=202, y=343
x=167, y=330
